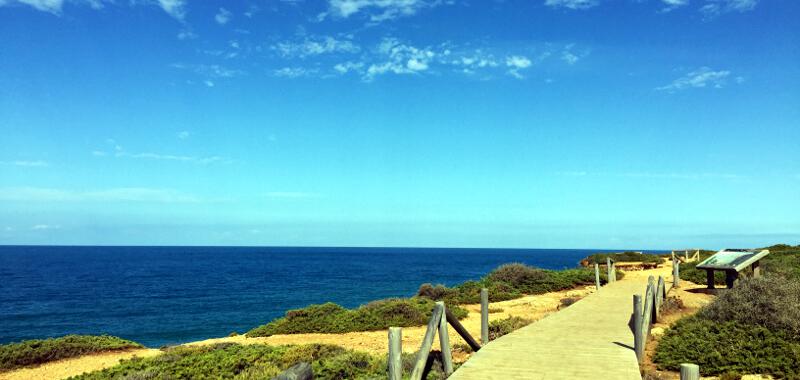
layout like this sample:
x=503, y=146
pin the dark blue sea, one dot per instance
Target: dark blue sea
x=168, y=295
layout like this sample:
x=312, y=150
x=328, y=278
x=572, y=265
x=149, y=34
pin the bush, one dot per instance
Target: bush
x=512, y=281
x=502, y=327
x=564, y=302
x=332, y=318
x=728, y=347
x=33, y=352
x=771, y=301
x=628, y=256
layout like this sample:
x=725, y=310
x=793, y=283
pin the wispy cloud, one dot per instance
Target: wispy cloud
x=572, y=4
x=312, y=46
x=700, y=78
x=42, y=227
x=175, y=8
x=125, y=194
x=293, y=72
x=378, y=10
x=670, y=5
x=223, y=16
x=183, y=135
x=120, y=152
x=714, y=8
x=517, y=63
x=651, y=175
x=23, y=163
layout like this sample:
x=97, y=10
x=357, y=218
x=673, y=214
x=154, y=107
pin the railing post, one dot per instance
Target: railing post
x=395, y=353
x=484, y=316
x=597, y=275
x=638, y=347
x=690, y=371
x=659, y=298
x=676, y=273
x=609, y=270
x=444, y=342
x=427, y=342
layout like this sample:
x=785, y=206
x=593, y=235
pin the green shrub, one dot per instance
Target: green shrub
x=728, y=347
x=332, y=318
x=628, y=256
x=771, y=301
x=511, y=281
x=38, y=351
x=502, y=327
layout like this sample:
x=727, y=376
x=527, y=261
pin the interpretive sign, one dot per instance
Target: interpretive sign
x=732, y=261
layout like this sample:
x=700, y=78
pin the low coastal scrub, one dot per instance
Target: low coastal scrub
x=38, y=351
x=752, y=328
x=332, y=318
x=502, y=327
x=628, y=256
x=251, y=362
x=512, y=281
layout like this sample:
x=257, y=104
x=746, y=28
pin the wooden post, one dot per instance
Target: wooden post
x=660, y=288
x=757, y=269
x=647, y=313
x=609, y=270
x=638, y=347
x=484, y=316
x=395, y=353
x=427, y=342
x=461, y=331
x=444, y=343
x=710, y=278
x=651, y=282
x=730, y=278
x=299, y=371
x=676, y=274
x=690, y=371
x=597, y=275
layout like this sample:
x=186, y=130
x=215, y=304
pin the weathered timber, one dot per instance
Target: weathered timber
x=690, y=372
x=597, y=275
x=638, y=344
x=484, y=316
x=300, y=371
x=444, y=343
x=610, y=270
x=676, y=274
x=395, y=353
x=427, y=342
x=473, y=344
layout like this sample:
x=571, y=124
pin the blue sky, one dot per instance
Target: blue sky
x=541, y=123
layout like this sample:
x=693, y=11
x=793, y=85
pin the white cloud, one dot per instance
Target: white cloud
x=517, y=63
x=23, y=163
x=52, y=6
x=223, y=16
x=183, y=135
x=399, y=58
x=208, y=83
x=700, y=78
x=670, y=5
x=175, y=8
x=41, y=227
x=571, y=4
x=569, y=57
x=379, y=10
x=293, y=72
x=120, y=152
x=312, y=46
x=714, y=8
x=346, y=67
x=124, y=194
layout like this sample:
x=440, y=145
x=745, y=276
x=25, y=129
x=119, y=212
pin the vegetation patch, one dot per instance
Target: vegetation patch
x=624, y=257
x=502, y=327
x=251, y=362
x=332, y=318
x=38, y=351
x=512, y=281
x=783, y=260
x=752, y=328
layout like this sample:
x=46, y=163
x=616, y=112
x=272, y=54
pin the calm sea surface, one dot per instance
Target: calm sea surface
x=168, y=295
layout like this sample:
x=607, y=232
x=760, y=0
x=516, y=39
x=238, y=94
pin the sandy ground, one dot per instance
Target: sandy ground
x=530, y=307
x=71, y=367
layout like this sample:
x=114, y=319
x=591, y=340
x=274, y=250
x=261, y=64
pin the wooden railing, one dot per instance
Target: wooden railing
x=440, y=317
x=645, y=315
x=611, y=269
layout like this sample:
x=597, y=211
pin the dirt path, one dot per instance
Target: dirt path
x=530, y=307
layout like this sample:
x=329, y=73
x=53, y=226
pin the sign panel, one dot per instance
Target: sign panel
x=732, y=259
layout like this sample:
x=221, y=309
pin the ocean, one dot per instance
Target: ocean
x=168, y=295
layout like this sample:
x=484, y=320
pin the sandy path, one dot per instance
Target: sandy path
x=75, y=366
x=530, y=307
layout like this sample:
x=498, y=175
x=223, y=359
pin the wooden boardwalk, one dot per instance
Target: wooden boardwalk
x=591, y=339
